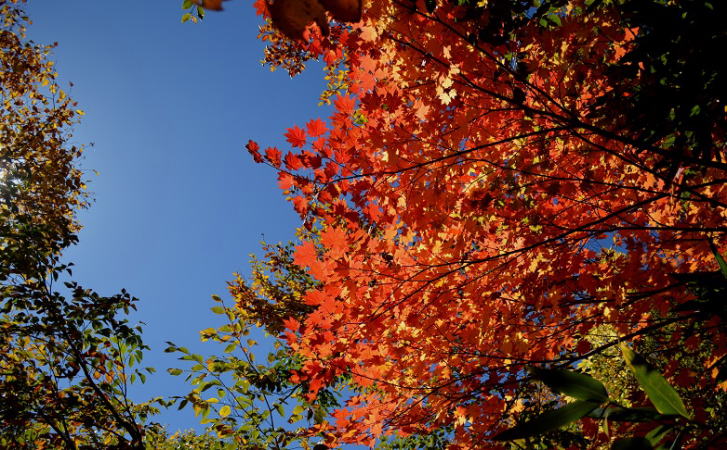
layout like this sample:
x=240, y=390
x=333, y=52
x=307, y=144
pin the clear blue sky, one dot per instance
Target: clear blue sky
x=179, y=204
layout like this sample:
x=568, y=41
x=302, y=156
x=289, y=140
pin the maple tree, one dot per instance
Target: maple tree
x=501, y=182
x=499, y=179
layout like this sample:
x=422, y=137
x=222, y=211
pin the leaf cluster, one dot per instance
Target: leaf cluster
x=667, y=417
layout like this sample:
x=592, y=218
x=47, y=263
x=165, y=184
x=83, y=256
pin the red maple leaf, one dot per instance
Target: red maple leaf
x=316, y=128
x=273, y=155
x=335, y=240
x=254, y=149
x=285, y=181
x=296, y=136
x=292, y=161
x=261, y=7
x=291, y=323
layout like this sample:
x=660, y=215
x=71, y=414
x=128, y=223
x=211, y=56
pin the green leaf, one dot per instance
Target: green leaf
x=547, y=421
x=186, y=17
x=572, y=384
x=657, y=434
x=175, y=371
x=218, y=309
x=634, y=443
x=661, y=394
x=720, y=260
x=187, y=4
x=555, y=19
x=208, y=384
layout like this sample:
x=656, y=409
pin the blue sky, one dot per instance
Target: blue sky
x=179, y=204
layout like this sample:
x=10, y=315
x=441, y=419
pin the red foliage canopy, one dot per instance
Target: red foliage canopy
x=481, y=209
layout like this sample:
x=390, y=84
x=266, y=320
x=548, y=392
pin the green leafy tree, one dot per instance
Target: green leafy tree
x=66, y=362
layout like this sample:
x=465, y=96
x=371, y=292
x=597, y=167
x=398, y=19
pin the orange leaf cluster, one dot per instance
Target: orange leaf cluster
x=475, y=217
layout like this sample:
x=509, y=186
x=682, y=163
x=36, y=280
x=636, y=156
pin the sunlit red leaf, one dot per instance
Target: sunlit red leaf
x=296, y=136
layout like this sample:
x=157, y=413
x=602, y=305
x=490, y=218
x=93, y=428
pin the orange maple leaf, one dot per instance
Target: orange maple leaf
x=305, y=254
x=345, y=104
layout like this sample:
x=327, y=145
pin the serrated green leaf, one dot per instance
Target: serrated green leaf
x=572, y=384
x=660, y=393
x=549, y=420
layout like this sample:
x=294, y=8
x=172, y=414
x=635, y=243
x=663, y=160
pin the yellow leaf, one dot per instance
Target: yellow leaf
x=225, y=411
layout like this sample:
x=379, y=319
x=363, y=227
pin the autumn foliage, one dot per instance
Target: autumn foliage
x=66, y=352
x=489, y=190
